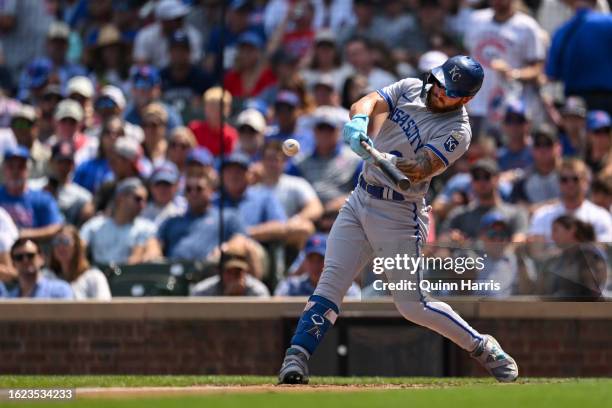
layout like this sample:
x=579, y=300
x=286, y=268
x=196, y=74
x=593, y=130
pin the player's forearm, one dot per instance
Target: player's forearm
x=423, y=166
x=370, y=105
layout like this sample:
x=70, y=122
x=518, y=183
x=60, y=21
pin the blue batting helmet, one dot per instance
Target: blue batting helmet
x=460, y=76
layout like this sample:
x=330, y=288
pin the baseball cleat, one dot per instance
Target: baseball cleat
x=497, y=362
x=295, y=367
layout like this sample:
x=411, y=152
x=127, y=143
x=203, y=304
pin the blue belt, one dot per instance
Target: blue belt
x=379, y=192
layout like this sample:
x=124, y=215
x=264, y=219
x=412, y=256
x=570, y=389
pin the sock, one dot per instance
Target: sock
x=318, y=316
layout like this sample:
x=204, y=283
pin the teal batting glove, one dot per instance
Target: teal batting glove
x=354, y=132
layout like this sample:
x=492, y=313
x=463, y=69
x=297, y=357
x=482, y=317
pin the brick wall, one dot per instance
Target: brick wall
x=245, y=338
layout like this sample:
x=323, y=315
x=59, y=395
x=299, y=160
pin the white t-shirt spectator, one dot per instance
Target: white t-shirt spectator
x=600, y=218
x=151, y=45
x=92, y=284
x=517, y=41
x=112, y=243
x=293, y=193
x=8, y=231
x=339, y=14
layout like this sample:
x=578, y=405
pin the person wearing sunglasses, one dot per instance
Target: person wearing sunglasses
x=111, y=103
x=25, y=127
x=574, y=182
x=466, y=220
x=165, y=202
x=31, y=282
x=540, y=183
x=195, y=234
x=123, y=237
x=68, y=261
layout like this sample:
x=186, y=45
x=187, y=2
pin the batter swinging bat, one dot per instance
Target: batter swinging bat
x=393, y=173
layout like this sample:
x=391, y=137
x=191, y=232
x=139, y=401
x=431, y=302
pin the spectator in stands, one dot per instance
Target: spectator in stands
x=123, y=237
x=312, y=266
x=261, y=212
x=574, y=178
x=47, y=104
x=516, y=152
x=251, y=126
x=355, y=87
x=56, y=50
x=208, y=132
x=541, y=181
x=328, y=14
x=579, y=56
x=33, y=81
x=125, y=162
x=154, y=124
x=24, y=125
x=601, y=192
x=8, y=236
x=35, y=213
x=165, y=202
x=151, y=44
x=250, y=74
x=295, y=194
x=110, y=103
x=193, y=235
x=325, y=60
x=465, y=220
x=509, y=45
x=578, y=269
x=234, y=279
x=394, y=25
x=180, y=143
x=573, y=125
x=107, y=57
x=74, y=201
x=146, y=88
x=332, y=168
x=362, y=24
x=32, y=283
x=237, y=23
x=599, y=140
x=200, y=162
x=69, y=262
x=68, y=121
x=81, y=89
x=92, y=173
x=287, y=111
x=295, y=33
x=359, y=56
x=183, y=82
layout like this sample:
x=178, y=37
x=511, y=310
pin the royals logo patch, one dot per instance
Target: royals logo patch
x=451, y=144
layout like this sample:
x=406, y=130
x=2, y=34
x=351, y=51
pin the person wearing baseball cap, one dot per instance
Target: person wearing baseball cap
x=516, y=127
x=311, y=268
x=573, y=126
x=165, y=202
x=110, y=102
x=74, y=201
x=25, y=127
x=485, y=187
x=146, y=89
x=183, y=81
x=250, y=75
x=287, y=110
x=599, y=140
x=151, y=44
x=81, y=89
x=68, y=118
x=35, y=212
x=251, y=126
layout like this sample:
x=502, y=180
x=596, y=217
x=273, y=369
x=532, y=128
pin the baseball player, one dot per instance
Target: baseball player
x=425, y=130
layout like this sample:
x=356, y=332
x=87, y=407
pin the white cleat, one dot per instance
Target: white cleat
x=497, y=362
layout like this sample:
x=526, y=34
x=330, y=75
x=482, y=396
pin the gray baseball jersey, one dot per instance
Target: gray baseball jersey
x=410, y=127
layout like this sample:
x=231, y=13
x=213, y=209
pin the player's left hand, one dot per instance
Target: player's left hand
x=354, y=133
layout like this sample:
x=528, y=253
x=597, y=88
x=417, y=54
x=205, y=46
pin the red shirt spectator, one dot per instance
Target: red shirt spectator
x=234, y=83
x=209, y=138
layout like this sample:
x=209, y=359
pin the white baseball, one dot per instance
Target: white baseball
x=291, y=147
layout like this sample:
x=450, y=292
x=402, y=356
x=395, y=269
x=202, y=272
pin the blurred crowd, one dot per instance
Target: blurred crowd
x=135, y=132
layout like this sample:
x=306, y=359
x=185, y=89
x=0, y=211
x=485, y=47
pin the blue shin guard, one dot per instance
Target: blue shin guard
x=319, y=314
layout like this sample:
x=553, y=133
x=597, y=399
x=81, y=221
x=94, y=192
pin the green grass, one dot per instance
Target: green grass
x=445, y=392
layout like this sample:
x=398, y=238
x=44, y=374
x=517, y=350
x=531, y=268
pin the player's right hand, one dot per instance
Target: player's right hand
x=354, y=132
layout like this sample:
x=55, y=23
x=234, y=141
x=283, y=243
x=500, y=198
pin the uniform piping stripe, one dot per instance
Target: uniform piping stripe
x=438, y=153
x=382, y=93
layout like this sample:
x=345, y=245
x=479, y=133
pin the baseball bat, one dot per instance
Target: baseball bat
x=393, y=173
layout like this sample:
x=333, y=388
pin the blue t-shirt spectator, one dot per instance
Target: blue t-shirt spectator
x=509, y=160
x=92, y=173
x=33, y=209
x=46, y=288
x=257, y=205
x=302, y=286
x=580, y=54
x=191, y=237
